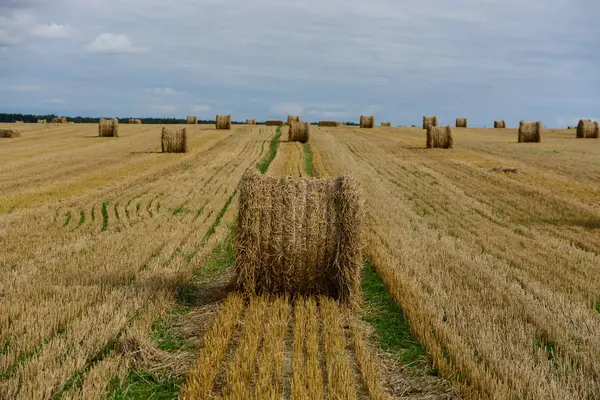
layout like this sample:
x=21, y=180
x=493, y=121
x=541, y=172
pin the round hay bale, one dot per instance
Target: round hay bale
x=250, y=122
x=588, y=129
x=530, y=132
x=299, y=132
x=500, y=124
x=133, y=121
x=430, y=121
x=223, y=122
x=174, y=140
x=461, y=122
x=300, y=236
x=42, y=121
x=292, y=118
x=192, y=120
x=367, y=121
x=439, y=137
x=328, y=123
x=388, y=124
x=108, y=127
x=61, y=120
x=9, y=133
x=274, y=122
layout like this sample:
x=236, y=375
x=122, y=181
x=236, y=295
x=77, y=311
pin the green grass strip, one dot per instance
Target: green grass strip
x=308, y=163
x=105, y=215
x=69, y=216
x=263, y=165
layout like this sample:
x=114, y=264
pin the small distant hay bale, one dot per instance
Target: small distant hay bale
x=430, y=121
x=42, y=121
x=174, y=140
x=274, y=122
x=133, y=121
x=19, y=122
x=500, y=124
x=300, y=236
x=328, y=123
x=342, y=124
x=192, y=120
x=367, y=121
x=439, y=137
x=61, y=120
x=587, y=129
x=250, y=122
x=108, y=127
x=461, y=122
x=293, y=118
x=9, y=133
x=299, y=132
x=530, y=132
x=388, y=124
x=223, y=122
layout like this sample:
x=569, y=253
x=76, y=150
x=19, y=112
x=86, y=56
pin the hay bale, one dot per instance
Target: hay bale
x=19, y=122
x=430, y=121
x=174, y=140
x=388, y=124
x=300, y=236
x=273, y=122
x=439, y=137
x=250, y=122
x=192, y=120
x=530, y=132
x=299, y=132
x=342, y=124
x=500, y=124
x=461, y=122
x=367, y=121
x=9, y=133
x=588, y=129
x=42, y=121
x=108, y=127
x=61, y=120
x=328, y=123
x=135, y=121
x=223, y=122
x=291, y=118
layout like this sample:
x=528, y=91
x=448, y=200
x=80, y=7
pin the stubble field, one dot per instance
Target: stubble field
x=490, y=249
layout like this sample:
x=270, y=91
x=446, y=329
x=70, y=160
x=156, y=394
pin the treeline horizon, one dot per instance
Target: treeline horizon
x=33, y=118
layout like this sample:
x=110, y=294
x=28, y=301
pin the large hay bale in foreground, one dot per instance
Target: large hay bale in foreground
x=430, y=121
x=223, y=122
x=500, y=124
x=328, y=123
x=530, y=132
x=388, y=124
x=250, y=122
x=588, y=129
x=9, y=133
x=299, y=132
x=367, y=121
x=291, y=118
x=108, y=127
x=439, y=137
x=273, y=122
x=461, y=122
x=300, y=236
x=192, y=120
x=174, y=140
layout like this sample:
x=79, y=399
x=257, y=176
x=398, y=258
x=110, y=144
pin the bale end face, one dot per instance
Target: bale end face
x=500, y=124
x=223, y=122
x=430, y=121
x=108, y=127
x=174, y=140
x=530, y=132
x=299, y=237
x=439, y=137
x=367, y=121
x=588, y=129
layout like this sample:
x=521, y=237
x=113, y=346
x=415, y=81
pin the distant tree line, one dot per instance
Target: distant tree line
x=33, y=118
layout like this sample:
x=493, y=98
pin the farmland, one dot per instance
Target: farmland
x=490, y=249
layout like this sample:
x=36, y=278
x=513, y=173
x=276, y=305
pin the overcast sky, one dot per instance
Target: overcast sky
x=322, y=59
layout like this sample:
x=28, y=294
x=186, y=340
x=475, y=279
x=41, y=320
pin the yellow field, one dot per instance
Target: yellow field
x=497, y=271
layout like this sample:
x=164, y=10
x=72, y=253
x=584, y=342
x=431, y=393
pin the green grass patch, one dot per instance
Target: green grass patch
x=145, y=386
x=93, y=213
x=81, y=220
x=138, y=206
x=393, y=331
x=597, y=307
x=117, y=210
x=180, y=210
x=69, y=216
x=199, y=212
x=263, y=165
x=222, y=212
x=308, y=163
x=105, y=215
x=127, y=208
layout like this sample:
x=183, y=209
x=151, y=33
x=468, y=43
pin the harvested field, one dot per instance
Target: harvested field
x=491, y=250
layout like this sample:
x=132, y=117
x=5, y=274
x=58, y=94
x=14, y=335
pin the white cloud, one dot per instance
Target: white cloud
x=25, y=88
x=51, y=31
x=7, y=39
x=163, y=91
x=111, y=43
x=164, y=109
x=288, y=108
x=200, y=108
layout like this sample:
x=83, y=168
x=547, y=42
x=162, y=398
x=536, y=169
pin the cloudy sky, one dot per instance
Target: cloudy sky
x=322, y=59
